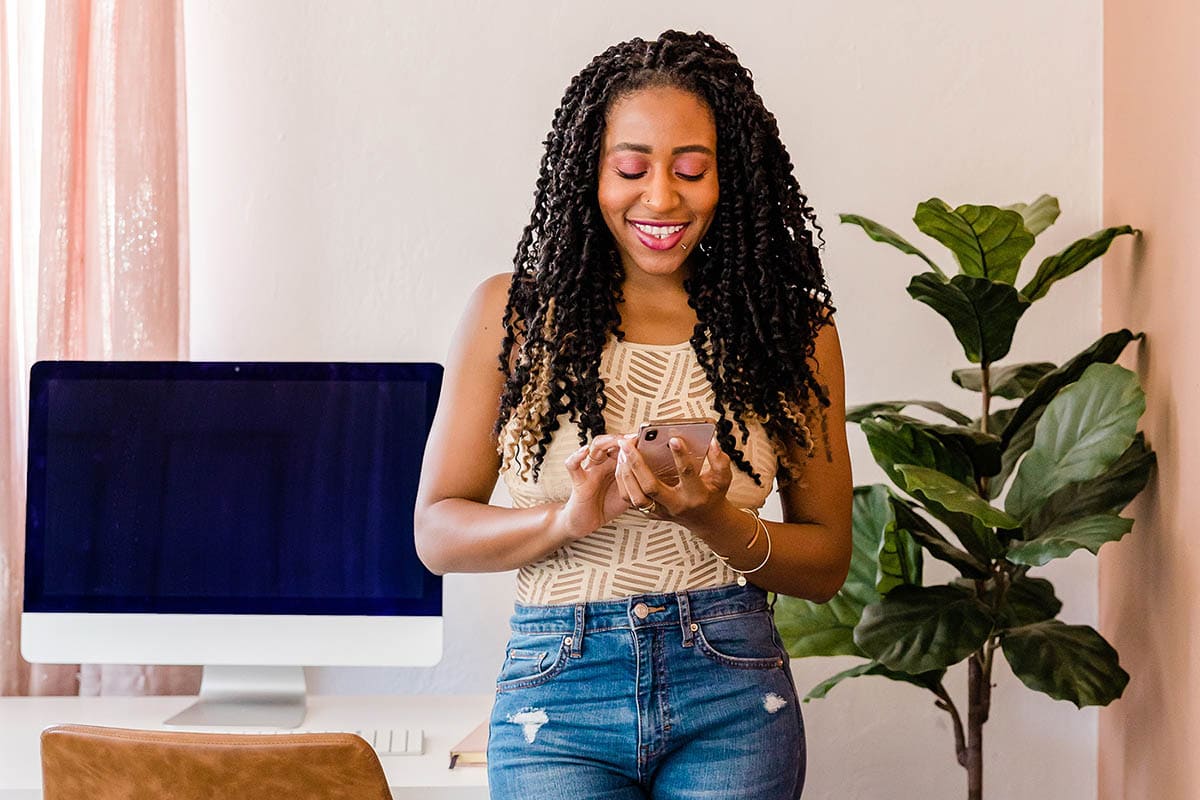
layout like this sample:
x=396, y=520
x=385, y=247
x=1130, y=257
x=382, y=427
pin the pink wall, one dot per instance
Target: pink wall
x=1150, y=582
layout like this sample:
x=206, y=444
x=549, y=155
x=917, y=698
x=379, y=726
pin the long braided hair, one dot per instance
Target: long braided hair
x=756, y=283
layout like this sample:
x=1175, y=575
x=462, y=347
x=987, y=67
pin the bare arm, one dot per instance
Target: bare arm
x=810, y=549
x=456, y=529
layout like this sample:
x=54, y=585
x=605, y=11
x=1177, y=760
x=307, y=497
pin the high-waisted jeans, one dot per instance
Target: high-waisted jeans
x=663, y=696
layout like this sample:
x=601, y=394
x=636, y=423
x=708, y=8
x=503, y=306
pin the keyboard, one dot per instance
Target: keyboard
x=385, y=741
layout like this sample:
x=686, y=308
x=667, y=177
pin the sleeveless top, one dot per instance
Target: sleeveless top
x=632, y=554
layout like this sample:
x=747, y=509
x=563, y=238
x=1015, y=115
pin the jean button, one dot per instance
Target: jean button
x=641, y=611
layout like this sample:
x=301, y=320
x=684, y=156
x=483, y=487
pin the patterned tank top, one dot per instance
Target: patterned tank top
x=632, y=554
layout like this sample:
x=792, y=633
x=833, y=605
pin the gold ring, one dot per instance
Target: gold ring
x=647, y=509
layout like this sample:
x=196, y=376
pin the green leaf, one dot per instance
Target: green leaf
x=917, y=629
x=1038, y=215
x=1029, y=600
x=954, y=495
x=983, y=313
x=1059, y=542
x=928, y=537
x=888, y=236
x=1067, y=662
x=857, y=414
x=926, y=680
x=1109, y=492
x=983, y=449
x=1106, y=349
x=1012, y=382
x=899, y=558
x=1074, y=258
x=1083, y=431
x=896, y=442
x=1019, y=432
x=827, y=629
x=988, y=242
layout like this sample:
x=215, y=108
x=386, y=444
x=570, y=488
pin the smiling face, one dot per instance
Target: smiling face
x=658, y=178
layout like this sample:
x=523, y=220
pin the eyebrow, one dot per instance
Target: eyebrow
x=644, y=148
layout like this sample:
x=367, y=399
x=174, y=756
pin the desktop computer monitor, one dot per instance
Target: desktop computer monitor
x=253, y=518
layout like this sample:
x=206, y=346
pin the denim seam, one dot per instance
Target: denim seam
x=637, y=701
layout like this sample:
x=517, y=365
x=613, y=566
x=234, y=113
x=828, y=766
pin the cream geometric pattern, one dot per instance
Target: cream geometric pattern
x=631, y=554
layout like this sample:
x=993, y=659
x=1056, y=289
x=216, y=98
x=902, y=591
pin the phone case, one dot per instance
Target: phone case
x=653, y=438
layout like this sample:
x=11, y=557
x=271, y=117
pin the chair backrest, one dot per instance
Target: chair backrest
x=83, y=762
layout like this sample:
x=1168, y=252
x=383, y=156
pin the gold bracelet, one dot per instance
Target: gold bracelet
x=761, y=527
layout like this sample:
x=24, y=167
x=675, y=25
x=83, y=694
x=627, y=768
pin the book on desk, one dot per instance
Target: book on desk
x=472, y=749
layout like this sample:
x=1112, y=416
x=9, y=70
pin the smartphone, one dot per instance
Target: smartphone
x=653, y=444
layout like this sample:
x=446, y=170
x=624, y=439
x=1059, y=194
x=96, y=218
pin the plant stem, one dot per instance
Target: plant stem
x=946, y=703
x=979, y=694
x=985, y=371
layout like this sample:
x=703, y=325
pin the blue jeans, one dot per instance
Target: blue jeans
x=682, y=696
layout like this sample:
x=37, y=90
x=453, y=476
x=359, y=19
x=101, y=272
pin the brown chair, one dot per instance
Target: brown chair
x=83, y=762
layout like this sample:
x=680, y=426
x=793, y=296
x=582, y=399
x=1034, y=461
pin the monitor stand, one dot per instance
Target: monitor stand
x=249, y=697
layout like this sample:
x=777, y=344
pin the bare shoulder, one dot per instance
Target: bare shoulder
x=827, y=352
x=488, y=301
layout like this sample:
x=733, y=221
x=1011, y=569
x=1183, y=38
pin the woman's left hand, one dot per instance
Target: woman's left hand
x=700, y=493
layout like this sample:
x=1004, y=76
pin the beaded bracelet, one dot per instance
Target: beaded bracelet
x=761, y=527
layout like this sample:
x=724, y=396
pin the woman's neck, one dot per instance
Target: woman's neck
x=655, y=310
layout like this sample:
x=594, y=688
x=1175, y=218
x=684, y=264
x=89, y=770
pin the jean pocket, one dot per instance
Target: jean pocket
x=531, y=659
x=745, y=641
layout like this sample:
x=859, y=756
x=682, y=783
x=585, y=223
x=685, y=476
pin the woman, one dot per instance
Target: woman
x=668, y=270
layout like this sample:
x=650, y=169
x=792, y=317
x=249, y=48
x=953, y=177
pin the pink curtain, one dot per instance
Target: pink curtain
x=112, y=268
x=13, y=676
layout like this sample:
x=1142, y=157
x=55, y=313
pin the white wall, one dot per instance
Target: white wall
x=357, y=167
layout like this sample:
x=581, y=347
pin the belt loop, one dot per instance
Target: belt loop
x=685, y=619
x=577, y=635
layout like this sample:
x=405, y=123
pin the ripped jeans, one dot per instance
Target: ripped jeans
x=682, y=696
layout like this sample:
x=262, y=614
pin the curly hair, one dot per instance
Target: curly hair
x=756, y=283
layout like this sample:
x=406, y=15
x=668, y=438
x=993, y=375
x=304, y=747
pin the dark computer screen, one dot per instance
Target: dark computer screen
x=251, y=488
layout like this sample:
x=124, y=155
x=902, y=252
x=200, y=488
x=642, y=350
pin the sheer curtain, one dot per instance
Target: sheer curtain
x=109, y=280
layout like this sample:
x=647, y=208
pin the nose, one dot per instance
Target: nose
x=660, y=194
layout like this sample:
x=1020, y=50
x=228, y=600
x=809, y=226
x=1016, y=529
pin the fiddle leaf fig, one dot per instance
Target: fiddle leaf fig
x=1012, y=382
x=894, y=441
x=1109, y=492
x=827, y=629
x=987, y=241
x=954, y=495
x=1067, y=662
x=1029, y=600
x=917, y=629
x=1038, y=215
x=982, y=312
x=1074, y=258
x=1059, y=542
x=925, y=680
x=928, y=537
x=886, y=235
x=1070, y=446
x=1084, y=429
x=857, y=414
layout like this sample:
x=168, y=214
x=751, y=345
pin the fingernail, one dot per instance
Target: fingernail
x=675, y=444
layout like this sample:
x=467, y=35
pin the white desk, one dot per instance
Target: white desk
x=444, y=719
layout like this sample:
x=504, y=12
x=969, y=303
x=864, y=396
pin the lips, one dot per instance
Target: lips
x=655, y=243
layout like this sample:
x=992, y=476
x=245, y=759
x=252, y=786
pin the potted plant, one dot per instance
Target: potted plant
x=1065, y=458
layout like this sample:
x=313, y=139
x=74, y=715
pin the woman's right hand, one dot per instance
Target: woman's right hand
x=595, y=496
